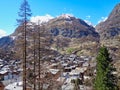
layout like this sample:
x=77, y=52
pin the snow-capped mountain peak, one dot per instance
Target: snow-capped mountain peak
x=41, y=19
x=66, y=16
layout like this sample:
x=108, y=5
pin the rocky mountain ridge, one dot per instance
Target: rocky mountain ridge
x=64, y=27
x=69, y=31
x=69, y=26
x=110, y=28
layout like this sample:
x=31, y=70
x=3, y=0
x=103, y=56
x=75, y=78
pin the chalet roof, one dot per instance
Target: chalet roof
x=1, y=60
x=14, y=86
x=69, y=79
x=86, y=64
x=77, y=71
x=3, y=72
x=87, y=77
x=54, y=71
x=67, y=87
x=64, y=64
x=54, y=64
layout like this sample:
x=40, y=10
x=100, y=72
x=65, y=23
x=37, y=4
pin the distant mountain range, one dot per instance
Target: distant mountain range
x=65, y=26
x=68, y=29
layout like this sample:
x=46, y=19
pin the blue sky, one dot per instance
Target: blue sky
x=89, y=10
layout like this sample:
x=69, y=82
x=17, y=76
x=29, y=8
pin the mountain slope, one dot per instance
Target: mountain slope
x=6, y=42
x=69, y=26
x=61, y=32
x=111, y=27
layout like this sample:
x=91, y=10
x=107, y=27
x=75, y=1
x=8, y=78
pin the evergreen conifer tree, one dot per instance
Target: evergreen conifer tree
x=104, y=80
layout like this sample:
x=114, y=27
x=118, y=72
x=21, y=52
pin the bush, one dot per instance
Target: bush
x=70, y=50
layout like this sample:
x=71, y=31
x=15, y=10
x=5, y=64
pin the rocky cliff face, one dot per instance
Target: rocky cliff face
x=111, y=27
x=71, y=27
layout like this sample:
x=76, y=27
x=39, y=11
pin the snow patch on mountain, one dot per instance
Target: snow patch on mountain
x=41, y=19
x=2, y=33
x=88, y=22
x=66, y=16
x=13, y=37
x=102, y=19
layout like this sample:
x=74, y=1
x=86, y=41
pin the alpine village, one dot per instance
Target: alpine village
x=61, y=53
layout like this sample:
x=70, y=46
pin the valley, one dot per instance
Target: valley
x=59, y=53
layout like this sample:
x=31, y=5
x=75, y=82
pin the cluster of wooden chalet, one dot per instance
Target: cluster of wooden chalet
x=67, y=67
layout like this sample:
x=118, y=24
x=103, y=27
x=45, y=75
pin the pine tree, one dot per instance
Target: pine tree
x=24, y=14
x=104, y=80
